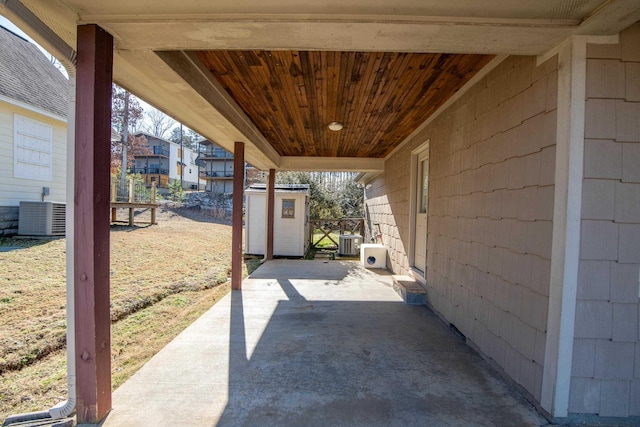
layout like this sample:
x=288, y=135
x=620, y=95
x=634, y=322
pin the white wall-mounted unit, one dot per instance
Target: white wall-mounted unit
x=41, y=219
x=291, y=220
x=373, y=255
x=349, y=244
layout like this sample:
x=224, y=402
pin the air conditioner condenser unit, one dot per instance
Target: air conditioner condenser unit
x=349, y=244
x=41, y=219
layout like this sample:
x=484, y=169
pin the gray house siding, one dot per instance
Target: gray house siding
x=492, y=169
x=606, y=358
x=492, y=159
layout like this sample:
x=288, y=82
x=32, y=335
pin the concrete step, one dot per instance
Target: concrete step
x=410, y=291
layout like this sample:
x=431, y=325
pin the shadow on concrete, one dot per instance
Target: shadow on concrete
x=312, y=344
x=359, y=363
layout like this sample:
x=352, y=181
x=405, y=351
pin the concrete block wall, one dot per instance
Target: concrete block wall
x=606, y=358
x=491, y=190
x=8, y=220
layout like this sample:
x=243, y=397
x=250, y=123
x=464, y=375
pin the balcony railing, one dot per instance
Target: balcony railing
x=205, y=155
x=144, y=171
x=157, y=150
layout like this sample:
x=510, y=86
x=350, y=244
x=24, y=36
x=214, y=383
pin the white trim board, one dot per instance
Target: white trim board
x=33, y=109
x=565, y=249
x=416, y=155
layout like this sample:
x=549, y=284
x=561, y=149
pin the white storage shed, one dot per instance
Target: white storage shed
x=291, y=220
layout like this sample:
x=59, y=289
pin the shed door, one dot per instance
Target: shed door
x=256, y=211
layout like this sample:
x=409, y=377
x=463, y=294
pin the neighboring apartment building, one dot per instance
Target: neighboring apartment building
x=167, y=162
x=216, y=169
x=33, y=128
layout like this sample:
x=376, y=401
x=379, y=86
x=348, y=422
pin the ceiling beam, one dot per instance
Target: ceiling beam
x=189, y=67
x=388, y=35
x=143, y=72
x=331, y=164
x=610, y=18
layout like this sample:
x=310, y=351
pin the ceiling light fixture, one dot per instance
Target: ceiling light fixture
x=335, y=126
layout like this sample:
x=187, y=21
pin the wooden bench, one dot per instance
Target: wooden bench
x=131, y=206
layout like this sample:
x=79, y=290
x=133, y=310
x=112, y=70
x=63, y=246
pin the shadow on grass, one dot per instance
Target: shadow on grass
x=8, y=244
x=125, y=227
x=197, y=213
x=194, y=213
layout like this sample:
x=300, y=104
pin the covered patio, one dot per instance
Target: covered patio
x=498, y=142
x=318, y=343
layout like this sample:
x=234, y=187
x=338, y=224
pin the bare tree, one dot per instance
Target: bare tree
x=157, y=123
x=58, y=65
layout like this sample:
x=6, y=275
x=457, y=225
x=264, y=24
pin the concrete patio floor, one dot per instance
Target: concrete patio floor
x=313, y=343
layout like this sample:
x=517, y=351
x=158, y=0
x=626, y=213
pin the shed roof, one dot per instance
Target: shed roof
x=281, y=188
x=26, y=75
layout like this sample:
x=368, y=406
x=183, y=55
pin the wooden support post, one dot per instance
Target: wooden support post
x=114, y=195
x=270, y=212
x=131, y=189
x=91, y=225
x=153, y=200
x=236, y=222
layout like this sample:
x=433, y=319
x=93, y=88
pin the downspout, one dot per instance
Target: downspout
x=18, y=13
x=67, y=407
x=266, y=221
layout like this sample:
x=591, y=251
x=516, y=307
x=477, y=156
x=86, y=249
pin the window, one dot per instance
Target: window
x=423, y=184
x=288, y=208
x=33, y=145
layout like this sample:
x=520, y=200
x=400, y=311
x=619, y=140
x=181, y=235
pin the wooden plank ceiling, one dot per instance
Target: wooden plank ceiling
x=380, y=97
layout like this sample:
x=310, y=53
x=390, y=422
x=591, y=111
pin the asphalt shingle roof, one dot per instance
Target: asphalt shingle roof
x=28, y=76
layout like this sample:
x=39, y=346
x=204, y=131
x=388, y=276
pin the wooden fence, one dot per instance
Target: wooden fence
x=329, y=226
x=132, y=196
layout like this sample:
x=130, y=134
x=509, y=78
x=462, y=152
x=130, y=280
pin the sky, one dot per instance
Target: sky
x=9, y=25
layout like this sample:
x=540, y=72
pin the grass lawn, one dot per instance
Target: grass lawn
x=162, y=279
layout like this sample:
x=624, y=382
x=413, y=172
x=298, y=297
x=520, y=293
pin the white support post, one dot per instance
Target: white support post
x=565, y=250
